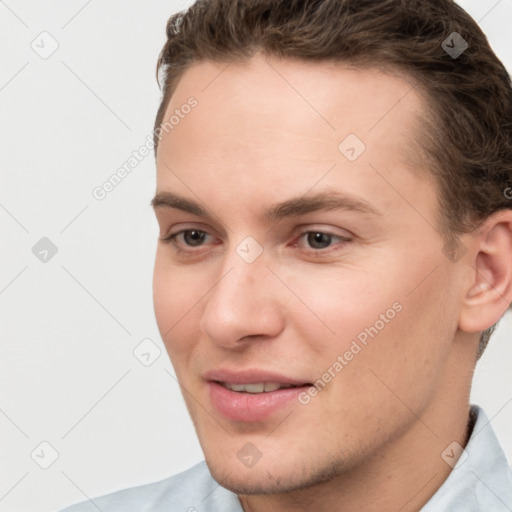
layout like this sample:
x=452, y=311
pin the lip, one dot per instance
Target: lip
x=250, y=376
x=248, y=407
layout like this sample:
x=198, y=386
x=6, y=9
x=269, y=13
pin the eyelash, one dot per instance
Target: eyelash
x=171, y=239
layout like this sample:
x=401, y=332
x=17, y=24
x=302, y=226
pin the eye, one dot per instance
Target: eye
x=188, y=237
x=319, y=240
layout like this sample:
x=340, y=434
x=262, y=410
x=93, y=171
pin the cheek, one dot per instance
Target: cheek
x=342, y=306
x=173, y=299
x=376, y=320
x=162, y=295
x=406, y=350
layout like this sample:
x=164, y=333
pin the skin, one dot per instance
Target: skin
x=268, y=130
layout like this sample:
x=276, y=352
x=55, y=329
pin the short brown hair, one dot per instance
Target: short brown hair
x=466, y=134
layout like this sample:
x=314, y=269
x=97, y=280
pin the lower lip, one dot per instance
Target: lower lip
x=251, y=407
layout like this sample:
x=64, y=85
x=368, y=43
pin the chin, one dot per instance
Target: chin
x=265, y=478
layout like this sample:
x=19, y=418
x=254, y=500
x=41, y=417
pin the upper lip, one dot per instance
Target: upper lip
x=251, y=376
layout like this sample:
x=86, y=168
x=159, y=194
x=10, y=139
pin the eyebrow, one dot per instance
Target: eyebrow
x=293, y=207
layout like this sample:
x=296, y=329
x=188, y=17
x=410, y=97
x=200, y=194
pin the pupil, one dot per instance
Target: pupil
x=194, y=237
x=319, y=240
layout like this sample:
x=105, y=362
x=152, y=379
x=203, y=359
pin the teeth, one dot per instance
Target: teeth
x=253, y=388
x=263, y=387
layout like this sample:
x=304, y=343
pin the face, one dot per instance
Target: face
x=298, y=275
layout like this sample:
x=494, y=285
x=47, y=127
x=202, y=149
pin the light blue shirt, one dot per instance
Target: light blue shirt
x=480, y=482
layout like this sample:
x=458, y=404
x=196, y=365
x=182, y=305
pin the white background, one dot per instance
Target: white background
x=69, y=326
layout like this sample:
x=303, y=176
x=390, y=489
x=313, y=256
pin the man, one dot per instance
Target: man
x=335, y=250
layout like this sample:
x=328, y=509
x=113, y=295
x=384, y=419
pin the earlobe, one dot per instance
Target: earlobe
x=490, y=292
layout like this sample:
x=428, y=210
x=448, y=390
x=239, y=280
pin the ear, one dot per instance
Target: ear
x=490, y=290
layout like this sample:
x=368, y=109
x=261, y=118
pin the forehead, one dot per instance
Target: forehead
x=277, y=126
x=329, y=96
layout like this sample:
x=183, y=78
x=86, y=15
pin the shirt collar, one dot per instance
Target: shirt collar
x=481, y=479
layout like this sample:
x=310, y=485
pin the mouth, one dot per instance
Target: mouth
x=252, y=396
x=257, y=388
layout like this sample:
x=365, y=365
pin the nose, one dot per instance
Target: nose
x=243, y=305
